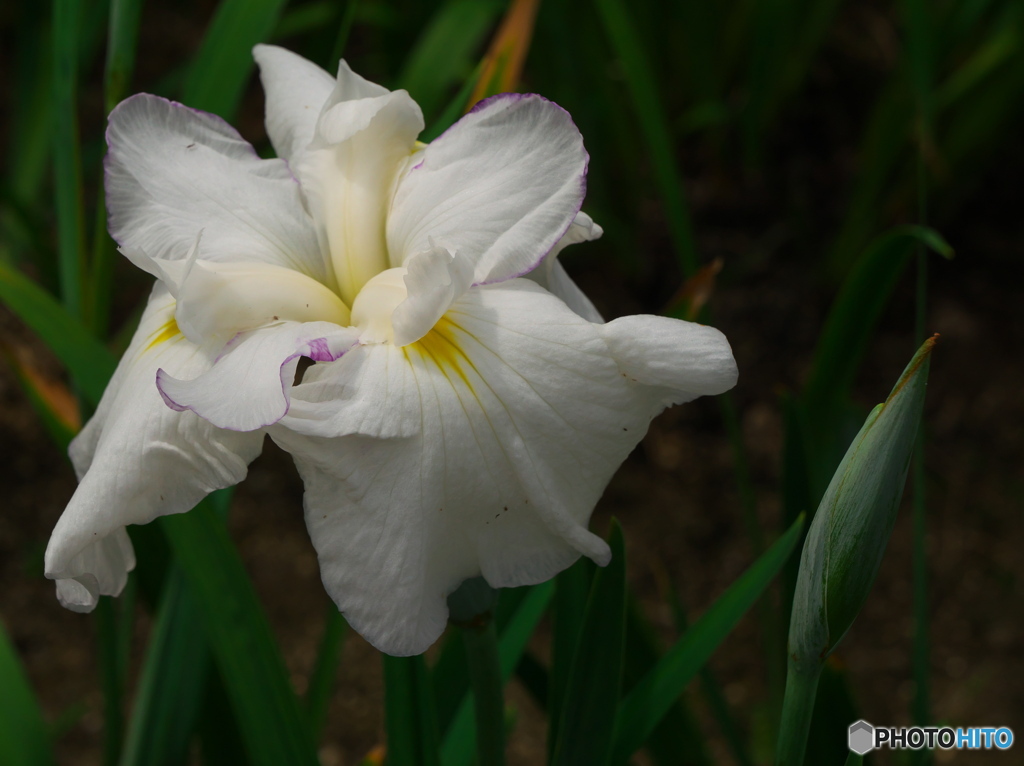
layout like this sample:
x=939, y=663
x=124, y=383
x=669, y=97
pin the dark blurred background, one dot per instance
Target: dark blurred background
x=800, y=131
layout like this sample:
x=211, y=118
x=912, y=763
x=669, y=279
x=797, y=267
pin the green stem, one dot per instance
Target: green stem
x=481, y=641
x=797, y=710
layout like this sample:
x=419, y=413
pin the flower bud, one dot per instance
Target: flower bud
x=848, y=535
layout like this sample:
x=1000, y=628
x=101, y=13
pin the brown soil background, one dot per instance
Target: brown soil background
x=675, y=496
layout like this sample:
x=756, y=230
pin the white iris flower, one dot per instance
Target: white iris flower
x=466, y=406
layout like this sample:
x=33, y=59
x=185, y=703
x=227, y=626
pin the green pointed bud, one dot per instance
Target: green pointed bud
x=848, y=536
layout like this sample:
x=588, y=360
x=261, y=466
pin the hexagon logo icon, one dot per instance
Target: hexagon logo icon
x=861, y=737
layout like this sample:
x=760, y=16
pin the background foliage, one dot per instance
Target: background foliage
x=769, y=166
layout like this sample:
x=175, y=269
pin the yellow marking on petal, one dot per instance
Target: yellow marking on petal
x=442, y=347
x=165, y=333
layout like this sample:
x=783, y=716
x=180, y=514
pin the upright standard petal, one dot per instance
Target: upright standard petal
x=364, y=136
x=490, y=441
x=296, y=90
x=137, y=460
x=500, y=187
x=173, y=171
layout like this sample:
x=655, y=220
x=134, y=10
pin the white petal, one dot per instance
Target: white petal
x=173, y=171
x=364, y=136
x=369, y=391
x=350, y=86
x=296, y=90
x=219, y=300
x=500, y=187
x=171, y=273
x=434, y=280
x=683, y=359
x=552, y=276
x=156, y=321
x=137, y=460
x=105, y=565
x=514, y=417
x=248, y=386
x=400, y=305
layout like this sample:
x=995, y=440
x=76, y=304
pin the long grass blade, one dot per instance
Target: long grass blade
x=222, y=65
x=647, y=702
x=30, y=128
x=920, y=54
x=67, y=18
x=595, y=680
x=503, y=64
x=454, y=109
x=52, y=401
x=827, y=421
x=23, y=737
x=170, y=691
x=111, y=669
x=570, y=599
x=713, y=694
x=270, y=720
x=122, y=34
x=88, y=361
x=445, y=53
x=459, y=742
x=677, y=740
x=858, y=307
x=654, y=126
x=321, y=681
x=409, y=712
x=348, y=18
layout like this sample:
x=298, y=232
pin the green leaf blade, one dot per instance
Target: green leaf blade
x=272, y=724
x=23, y=737
x=595, y=681
x=170, y=690
x=459, y=741
x=321, y=680
x=88, y=360
x=648, y=701
x=67, y=18
x=444, y=54
x=654, y=125
x=222, y=65
x=409, y=712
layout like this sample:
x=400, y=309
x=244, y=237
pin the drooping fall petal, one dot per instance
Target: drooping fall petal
x=137, y=460
x=486, y=445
